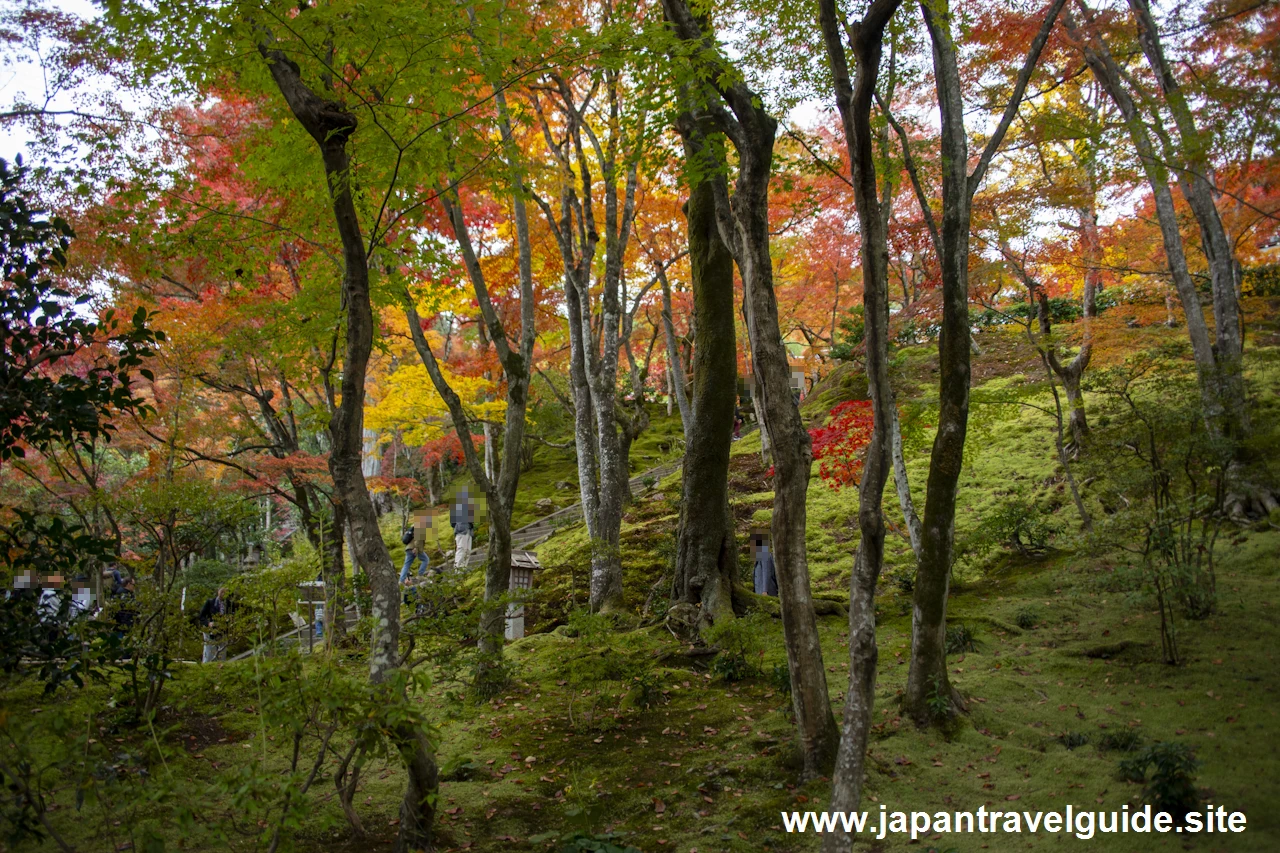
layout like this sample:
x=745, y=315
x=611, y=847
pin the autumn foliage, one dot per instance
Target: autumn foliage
x=839, y=444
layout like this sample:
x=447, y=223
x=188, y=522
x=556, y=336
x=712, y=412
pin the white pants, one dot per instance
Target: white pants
x=462, y=550
x=212, y=649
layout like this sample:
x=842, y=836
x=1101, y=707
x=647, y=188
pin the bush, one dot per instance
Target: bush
x=740, y=646
x=1161, y=481
x=1261, y=281
x=961, y=639
x=1121, y=740
x=1171, y=787
x=780, y=678
x=1073, y=740
x=939, y=699
x=1027, y=619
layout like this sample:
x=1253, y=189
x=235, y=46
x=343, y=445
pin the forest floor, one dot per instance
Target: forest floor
x=618, y=732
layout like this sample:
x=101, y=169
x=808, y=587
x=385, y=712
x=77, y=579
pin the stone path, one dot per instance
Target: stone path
x=523, y=539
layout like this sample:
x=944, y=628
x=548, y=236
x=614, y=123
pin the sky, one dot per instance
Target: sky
x=21, y=77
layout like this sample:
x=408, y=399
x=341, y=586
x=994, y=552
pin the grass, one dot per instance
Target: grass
x=711, y=766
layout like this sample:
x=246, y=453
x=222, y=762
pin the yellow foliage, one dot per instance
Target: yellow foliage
x=407, y=402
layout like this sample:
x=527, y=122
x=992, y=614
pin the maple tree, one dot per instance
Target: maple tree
x=403, y=248
x=840, y=444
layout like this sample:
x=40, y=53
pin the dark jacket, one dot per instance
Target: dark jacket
x=460, y=517
x=210, y=611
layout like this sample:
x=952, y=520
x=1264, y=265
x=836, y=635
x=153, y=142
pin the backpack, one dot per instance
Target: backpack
x=407, y=537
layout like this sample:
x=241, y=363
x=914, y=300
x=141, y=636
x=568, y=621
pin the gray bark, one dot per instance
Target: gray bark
x=854, y=99
x=675, y=369
x=1111, y=78
x=331, y=126
x=928, y=670
x=706, y=550
x=734, y=109
x=516, y=366
x=578, y=236
x=915, y=530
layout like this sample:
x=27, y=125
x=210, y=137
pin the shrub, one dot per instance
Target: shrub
x=905, y=581
x=961, y=639
x=740, y=646
x=1171, y=787
x=780, y=678
x=1162, y=485
x=1121, y=740
x=1027, y=619
x=939, y=699
x=1073, y=740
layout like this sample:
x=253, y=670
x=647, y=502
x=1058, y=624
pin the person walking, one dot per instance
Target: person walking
x=415, y=540
x=462, y=516
x=214, y=611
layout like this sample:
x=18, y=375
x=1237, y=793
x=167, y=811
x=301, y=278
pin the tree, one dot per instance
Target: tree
x=735, y=111
x=64, y=376
x=1186, y=157
x=706, y=569
x=854, y=99
x=927, y=676
x=516, y=360
x=615, y=149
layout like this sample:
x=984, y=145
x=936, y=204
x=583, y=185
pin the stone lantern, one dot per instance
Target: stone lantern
x=523, y=565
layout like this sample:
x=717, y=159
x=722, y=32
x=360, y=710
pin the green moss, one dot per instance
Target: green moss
x=709, y=767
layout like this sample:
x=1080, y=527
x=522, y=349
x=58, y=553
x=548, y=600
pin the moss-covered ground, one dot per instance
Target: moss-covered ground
x=624, y=734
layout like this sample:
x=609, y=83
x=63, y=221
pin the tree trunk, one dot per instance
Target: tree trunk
x=915, y=531
x=854, y=99
x=1195, y=181
x=706, y=551
x=334, y=567
x=675, y=369
x=928, y=671
x=744, y=227
x=583, y=417
x=1110, y=78
x=331, y=126
x=927, y=676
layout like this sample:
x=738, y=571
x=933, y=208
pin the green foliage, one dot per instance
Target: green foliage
x=46, y=328
x=1073, y=740
x=1171, y=787
x=1061, y=310
x=850, y=335
x=1261, y=281
x=326, y=713
x=1016, y=524
x=605, y=671
x=1163, y=485
x=1027, y=619
x=904, y=580
x=780, y=678
x=740, y=645
x=961, y=639
x=939, y=699
x=442, y=626
x=202, y=578
x=55, y=648
x=645, y=692
x=1120, y=740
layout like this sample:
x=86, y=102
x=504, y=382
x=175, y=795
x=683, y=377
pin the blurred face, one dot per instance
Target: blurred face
x=222, y=592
